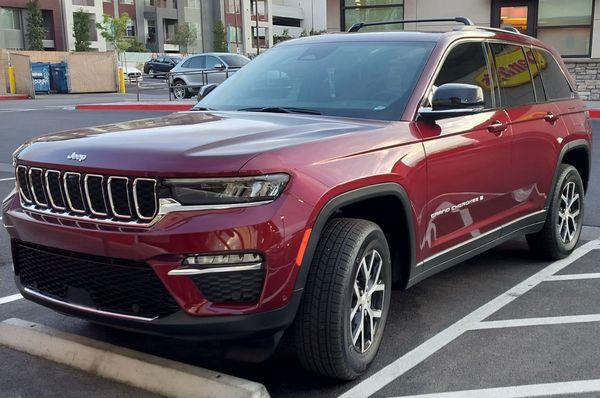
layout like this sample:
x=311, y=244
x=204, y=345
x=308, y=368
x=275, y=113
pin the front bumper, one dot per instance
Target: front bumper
x=274, y=230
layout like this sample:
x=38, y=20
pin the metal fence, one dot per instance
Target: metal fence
x=190, y=81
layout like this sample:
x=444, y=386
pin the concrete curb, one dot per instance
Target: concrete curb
x=148, y=372
x=10, y=97
x=135, y=106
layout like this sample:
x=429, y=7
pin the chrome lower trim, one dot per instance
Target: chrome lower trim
x=214, y=270
x=22, y=192
x=87, y=309
x=474, y=239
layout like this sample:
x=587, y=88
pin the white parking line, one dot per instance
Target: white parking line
x=530, y=390
x=7, y=179
x=8, y=299
x=550, y=320
x=574, y=277
x=381, y=378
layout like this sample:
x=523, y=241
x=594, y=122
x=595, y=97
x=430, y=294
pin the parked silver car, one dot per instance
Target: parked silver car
x=195, y=71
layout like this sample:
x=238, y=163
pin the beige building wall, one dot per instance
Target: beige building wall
x=95, y=9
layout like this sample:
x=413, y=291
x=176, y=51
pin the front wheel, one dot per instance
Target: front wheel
x=345, y=305
x=564, y=219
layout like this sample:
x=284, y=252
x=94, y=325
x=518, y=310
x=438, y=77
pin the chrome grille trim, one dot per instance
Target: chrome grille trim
x=32, y=189
x=49, y=191
x=135, y=198
x=111, y=200
x=68, y=195
x=88, y=198
x=24, y=192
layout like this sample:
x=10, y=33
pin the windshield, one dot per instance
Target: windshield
x=372, y=80
x=234, y=61
x=176, y=59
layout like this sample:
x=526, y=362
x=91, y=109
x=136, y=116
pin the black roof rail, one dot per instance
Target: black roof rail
x=358, y=26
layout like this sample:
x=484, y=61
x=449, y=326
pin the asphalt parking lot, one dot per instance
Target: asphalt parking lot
x=502, y=323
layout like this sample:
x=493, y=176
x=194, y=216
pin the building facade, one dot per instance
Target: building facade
x=95, y=11
x=13, y=24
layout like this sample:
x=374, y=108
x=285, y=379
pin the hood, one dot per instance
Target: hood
x=187, y=143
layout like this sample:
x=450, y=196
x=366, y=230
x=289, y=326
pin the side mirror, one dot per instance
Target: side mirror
x=219, y=66
x=206, y=89
x=454, y=99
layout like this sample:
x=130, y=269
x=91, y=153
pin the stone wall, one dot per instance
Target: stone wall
x=587, y=76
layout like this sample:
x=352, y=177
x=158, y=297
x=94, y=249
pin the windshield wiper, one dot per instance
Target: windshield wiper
x=281, y=109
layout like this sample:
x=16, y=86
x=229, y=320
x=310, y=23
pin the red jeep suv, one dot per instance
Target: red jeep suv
x=299, y=192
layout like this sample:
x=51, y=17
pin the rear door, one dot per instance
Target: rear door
x=467, y=164
x=536, y=126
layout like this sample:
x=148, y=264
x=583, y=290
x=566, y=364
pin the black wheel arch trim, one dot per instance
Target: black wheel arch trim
x=569, y=146
x=350, y=197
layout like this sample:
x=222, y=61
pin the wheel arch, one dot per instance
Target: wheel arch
x=365, y=203
x=577, y=154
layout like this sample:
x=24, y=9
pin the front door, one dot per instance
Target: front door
x=518, y=14
x=467, y=164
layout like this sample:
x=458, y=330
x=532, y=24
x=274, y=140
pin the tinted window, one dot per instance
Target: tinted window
x=367, y=79
x=212, y=62
x=555, y=82
x=466, y=64
x=513, y=75
x=234, y=61
x=195, y=63
x=537, y=79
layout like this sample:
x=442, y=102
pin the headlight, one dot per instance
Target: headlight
x=223, y=191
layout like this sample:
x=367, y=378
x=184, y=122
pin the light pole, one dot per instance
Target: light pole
x=257, y=34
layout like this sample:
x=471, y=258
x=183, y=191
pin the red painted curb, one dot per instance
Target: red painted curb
x=134, y=107
x=13, y=97
x=594, y=113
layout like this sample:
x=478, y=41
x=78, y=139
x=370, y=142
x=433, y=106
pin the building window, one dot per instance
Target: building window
x=258, y=6
x=192, y=3
x=170, y=26
x=151, y=33
x=10, y=18
x=262, y=37
x=568, y=28
x=354, y=11
x=130, y=28
x=126, y=1
x=89, y=3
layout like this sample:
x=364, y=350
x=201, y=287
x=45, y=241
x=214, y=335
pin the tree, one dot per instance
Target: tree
x=285, y=35
x=137, y=46
x=81, y=30
x=114, y=32
x=185, y=35
x=220, y=38
x=36, y=32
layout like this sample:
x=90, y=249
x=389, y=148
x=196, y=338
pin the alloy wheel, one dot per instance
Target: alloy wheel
x=367, y=301
x=569, y=212
x=179, y=91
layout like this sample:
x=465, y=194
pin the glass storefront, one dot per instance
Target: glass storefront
x=372, y=11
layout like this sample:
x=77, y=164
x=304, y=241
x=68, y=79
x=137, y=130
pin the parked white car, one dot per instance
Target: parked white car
x=195, y=71
x=132, y=74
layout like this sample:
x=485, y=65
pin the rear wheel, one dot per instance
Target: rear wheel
x=346, y=300
x=564, y=219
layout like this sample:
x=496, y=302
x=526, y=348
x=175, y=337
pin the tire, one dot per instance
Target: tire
x=558, y=237
x=180, y=91
x=152, y=73
x=323, y=327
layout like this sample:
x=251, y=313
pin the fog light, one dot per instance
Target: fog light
x=206, y=264
x=224, y=259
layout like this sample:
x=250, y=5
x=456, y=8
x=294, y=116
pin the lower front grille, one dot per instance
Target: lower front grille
x=99, y=283
x=230, y=287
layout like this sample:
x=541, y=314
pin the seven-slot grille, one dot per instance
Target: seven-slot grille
x=94, y=196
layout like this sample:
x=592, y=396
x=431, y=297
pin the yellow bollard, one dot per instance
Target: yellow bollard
x=121, y=81
x=11, y=80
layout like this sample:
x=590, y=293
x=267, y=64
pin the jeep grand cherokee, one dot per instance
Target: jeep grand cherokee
x=299, y=192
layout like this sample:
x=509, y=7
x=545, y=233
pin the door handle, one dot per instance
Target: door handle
x=551, y=117
x=496, y=127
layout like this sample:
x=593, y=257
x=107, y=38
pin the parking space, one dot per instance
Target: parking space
x=500, y=320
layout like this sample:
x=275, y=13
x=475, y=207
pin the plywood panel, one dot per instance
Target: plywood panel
x=23, y=79
x=92, y=72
